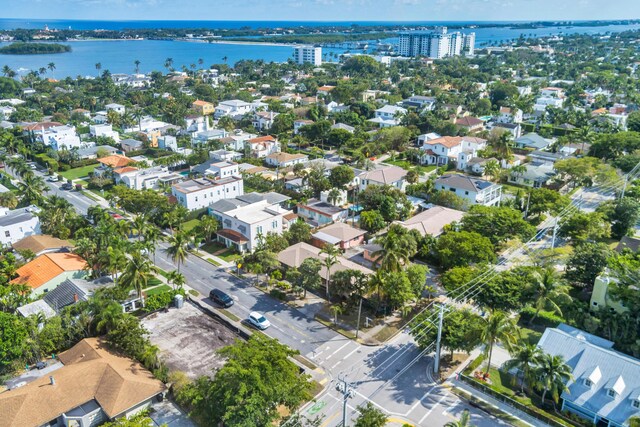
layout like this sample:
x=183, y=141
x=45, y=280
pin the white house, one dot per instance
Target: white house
x=149, y=178
x=247, y=218
x=196, y=123
x=208, y=135
x=509, y=115
x=383, y=175
x=300, y=123
x=235, y=140
x=59, y=137
x=118, y=108
x=263, y=146
x=200, y=193
x=224, y=155
x=17, y=224
x=104, y=130
x=233, y=108
x=388, y=116
x=421, y=103
x=549, y=96
x=475, y=191
x=285, y=159
x=223, y=170
x=459, y=149
x=263, y=120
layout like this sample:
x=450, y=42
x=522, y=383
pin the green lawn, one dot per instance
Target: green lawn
x=529, y=335
x=78, y=172
x=158, y=290
x=227, y=254
x=404, y=164
x=190, y=225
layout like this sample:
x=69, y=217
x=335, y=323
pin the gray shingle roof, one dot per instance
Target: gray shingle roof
x=16, y=216
x=586, y=355
x=65, y=293
x=463, y=182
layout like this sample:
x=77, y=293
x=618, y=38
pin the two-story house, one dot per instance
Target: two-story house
x=262, y=146
x=203, y=108
x=17, y=224
x=285, y=159
x=149, y=178
x=300, y=123
x=459, y=149
x=319, y=213
x=245, y=219
x=420, y=102
x=383, y=175
x=473, y=190
x=202, y=192
x=234, y=108
x=118, y=108
x=388, y=116
x=470, y=124
x=509, y=115
x=263, y=120
x=222, y=170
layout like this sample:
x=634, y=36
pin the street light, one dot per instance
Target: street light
x=436, y=363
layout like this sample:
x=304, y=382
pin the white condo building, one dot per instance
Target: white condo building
x=307, y=55
x=436, y=45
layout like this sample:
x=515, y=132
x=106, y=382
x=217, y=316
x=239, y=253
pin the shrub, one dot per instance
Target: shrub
x=544, y=318
x=161, y=300
x=278, y=294
x=474, y=365
x=47, y=162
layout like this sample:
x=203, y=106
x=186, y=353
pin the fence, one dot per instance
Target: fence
x=513, y=403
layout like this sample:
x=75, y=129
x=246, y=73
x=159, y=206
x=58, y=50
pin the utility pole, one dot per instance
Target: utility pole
x=555, y=231
x=359, y=312
x=526, y=211
x=624, y=187
x=436, y=364
x=344, y=387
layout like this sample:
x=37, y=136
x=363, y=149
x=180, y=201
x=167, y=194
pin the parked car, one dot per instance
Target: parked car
x=41, y=365
x=33, y=166
x=67, y=186
x=53, y=178
x=258, y=320
x=220, y=298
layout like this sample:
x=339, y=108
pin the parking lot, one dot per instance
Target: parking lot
x=188, y=339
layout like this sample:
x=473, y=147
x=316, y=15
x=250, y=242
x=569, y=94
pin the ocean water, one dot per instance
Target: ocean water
x=119, y=56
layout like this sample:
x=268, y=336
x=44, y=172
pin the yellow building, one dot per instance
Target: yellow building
x=203, y=108
x=600, y=297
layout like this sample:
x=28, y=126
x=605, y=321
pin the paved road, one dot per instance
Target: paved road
x=288, y=325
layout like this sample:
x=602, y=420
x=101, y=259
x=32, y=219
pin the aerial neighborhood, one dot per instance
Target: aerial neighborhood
x=258, y=243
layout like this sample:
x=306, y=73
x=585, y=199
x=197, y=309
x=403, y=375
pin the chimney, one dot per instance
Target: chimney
x=75, y=298
x=51, y=380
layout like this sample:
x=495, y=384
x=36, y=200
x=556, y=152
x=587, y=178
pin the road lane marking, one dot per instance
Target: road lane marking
x=345, y=357
x=341, y=347
x=434, y=407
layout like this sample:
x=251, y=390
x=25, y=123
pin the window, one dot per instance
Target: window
x=611, y=393
x=7, y=234
x=636, y=404
x=274, y=224
x=259, y=229
x=466, y=193
x=588, y=382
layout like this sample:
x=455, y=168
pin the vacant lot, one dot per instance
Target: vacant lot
x=76, y=173
x=188, y=339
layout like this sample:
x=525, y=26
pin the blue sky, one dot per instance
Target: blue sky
x=322, y=10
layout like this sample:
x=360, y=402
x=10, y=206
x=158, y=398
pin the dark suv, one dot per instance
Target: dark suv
x=221, y=298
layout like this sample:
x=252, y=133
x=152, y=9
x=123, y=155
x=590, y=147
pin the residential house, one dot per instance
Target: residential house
x=118, y=108
x=17, y=224
x=202, y=192
x=246, y=218
x=536, y=175
x=205, y=136
x=235, y=140
x=325, y=90
x=219, y=170
x=546, y=157
x=262, y=146
x=459, y=149
x=82, y=112
x=549, y=97
x=300, y=123
x=60, y=137
x=532, y=141
x=41, y=244
x=47, y=271
x=195, y=123
x=203, y=108
x=470, y=124
x=605, y=384
x=141, y=179
x=94, y=386
x=168, y=142
x=6, y=111
x=348, y=128
x=129, y=144
x=473, y=190
x=514, y=129
x=477, y=164
x=509, y=115
x=104, y=130
x=294, y=256
x=233, y=108
x=92, y=152
x=432, y=221
x=114, y=161
x=339, y=234
x=263, y=120
x=388, y=116
x=420, y=103
x=427, y=137
x=383, y=175
x=319, y=213
x=224, y=155
x=65, y=294
x=283, y=160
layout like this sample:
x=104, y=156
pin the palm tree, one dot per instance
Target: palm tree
x=525, y=357
x=333, y=196
x=137, y=272
x=178, y=248
x=6, y=70
x=397, y=247
x=109, y=317
x=32, y=189
x=492, y=169
x=137, y=64
x=177, y=279
x=336, y=309
x=552, y=376
x=464, y=421
x=98, y=67
x=586, y=135
x=51, y=66
x=168, y=63
x=8, y=200
x=497, y=328
x=548, y=290
x=224, y=59
x=502, y=144
x=329, y=261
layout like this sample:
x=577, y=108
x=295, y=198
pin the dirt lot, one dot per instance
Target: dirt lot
x=188, y=339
